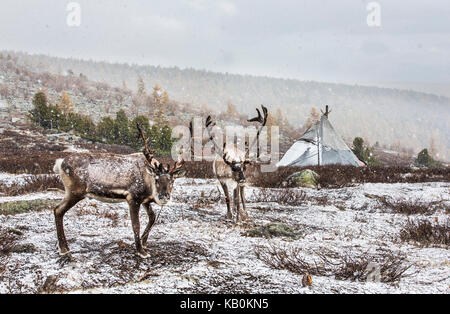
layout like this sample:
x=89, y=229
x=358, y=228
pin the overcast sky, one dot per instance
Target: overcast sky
x=325, y=40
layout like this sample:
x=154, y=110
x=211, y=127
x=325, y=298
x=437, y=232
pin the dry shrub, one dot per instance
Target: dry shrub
x=32, y=184
x=411, y=207
x=204, y=200
x=23, y=153
x=337, y=176
x=124, y=266
x=199, y=169
x=27, y=161
x=8, y=240
x=291, y=197
x=406, y=207
x=114, y=216
x=342, y=266
x=107, y=148
x=426, y=233
x=321, y=200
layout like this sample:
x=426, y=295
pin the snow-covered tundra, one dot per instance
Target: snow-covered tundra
x=193, y=248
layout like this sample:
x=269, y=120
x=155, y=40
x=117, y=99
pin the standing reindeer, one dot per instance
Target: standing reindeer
x=229, y=167
x=139, y=179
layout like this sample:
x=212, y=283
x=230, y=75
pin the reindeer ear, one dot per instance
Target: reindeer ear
x=150, y=169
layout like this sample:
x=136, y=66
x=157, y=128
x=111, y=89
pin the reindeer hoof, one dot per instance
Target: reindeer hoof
x=62, y=252
x=143, y=254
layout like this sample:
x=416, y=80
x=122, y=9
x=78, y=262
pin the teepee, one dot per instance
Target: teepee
x=320, y=145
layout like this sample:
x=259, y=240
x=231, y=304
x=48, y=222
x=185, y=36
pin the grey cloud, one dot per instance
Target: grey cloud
x=323, y=40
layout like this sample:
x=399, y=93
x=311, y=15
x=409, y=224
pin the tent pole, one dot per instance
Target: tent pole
x=318, y=147
x=319, y=141
x=318, y=157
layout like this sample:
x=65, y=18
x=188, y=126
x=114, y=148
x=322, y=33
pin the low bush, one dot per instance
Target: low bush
x=342, y=266
x=291, y=197
x=406, y=207
x=337, y=176
x=32, y=184
x=426, y=233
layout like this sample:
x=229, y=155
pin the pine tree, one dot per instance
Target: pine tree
x=364, y=153
x=135, y=139
x=54, y=117
x=424, y=158
x=358, y=148
x=105, y=130
x=40, y=113
x=121, y=128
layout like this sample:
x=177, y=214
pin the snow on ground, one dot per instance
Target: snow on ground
x=194, y=249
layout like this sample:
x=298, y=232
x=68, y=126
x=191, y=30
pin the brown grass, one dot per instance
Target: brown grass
x=342, y=266
x=8, y=239
x=406, y=207
x=337, y=176
x=33, y=162
x=426, y=233
x=31, y=185
x=291, y=197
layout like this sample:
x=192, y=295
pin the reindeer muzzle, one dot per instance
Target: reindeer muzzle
x=164, y=198
x=241, y=178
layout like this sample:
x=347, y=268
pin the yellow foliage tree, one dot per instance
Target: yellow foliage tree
x=65, y=103
x=160, y=99
x=314, y=116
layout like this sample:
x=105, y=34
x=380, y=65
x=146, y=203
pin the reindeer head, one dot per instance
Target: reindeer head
x=238, y=160
x=234, y=159
x=164, y=175
x=164, y=178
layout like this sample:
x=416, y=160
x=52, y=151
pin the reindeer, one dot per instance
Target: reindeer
x=230, y=165
x=138, y=179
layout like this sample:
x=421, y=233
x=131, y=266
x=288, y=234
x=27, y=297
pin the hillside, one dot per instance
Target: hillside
x=398, y=118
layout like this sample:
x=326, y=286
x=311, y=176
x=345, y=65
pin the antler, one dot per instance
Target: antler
x=327, y=112
x=209, y=125
x=263, y=120
x=177, y=167
x=147, y=152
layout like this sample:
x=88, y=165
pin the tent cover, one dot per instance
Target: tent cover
x=319, y=145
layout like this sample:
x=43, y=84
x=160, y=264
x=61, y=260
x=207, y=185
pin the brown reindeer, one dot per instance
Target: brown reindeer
x=138, y=179
x=230, y=165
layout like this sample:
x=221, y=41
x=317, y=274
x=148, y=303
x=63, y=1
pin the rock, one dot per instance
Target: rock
x=305, y=178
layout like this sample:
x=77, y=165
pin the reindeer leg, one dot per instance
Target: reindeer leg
x=227, y=200
x=67, y=203
x=134, y=214
x=237, y=204
x=151, y=221
x=243, y=212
